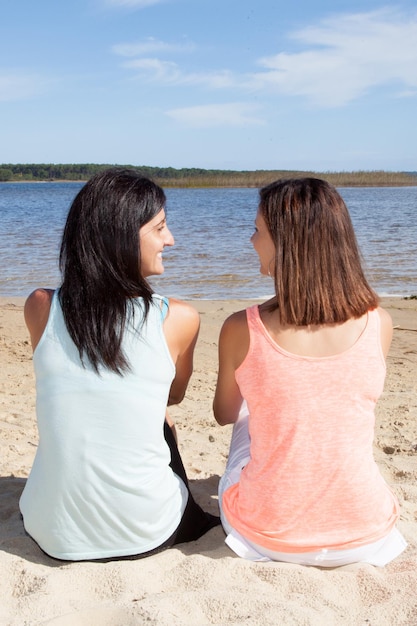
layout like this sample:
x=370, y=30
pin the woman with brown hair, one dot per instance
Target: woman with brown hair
x=299, y=377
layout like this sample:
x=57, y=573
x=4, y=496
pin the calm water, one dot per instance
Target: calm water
x=212, y=257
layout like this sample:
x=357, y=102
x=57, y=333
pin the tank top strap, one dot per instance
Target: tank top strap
x=164, y=307
x=252, y=315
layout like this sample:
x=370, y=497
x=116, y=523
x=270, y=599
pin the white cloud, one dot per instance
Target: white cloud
x=16, y=86
x=340, y=59
x=162, y=71
x=215, y=115
x=407, y=93
x=170, y=73
x=348, y=56
x=149, y=46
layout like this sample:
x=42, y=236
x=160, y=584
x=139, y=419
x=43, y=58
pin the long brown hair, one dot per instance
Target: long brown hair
x=318, y=272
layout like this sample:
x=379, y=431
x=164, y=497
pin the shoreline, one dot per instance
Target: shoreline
x=203, y=582
x=166, y=185
x=20, y=300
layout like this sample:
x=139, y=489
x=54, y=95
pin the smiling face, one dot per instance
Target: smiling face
x=154, y=236
x=264, y=245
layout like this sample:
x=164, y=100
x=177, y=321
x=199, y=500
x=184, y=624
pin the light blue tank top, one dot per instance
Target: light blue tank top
x=101, y=485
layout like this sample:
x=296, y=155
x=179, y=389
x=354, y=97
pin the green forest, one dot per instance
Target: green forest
x=197, y=177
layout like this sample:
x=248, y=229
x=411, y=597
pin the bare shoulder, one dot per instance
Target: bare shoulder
x=236, y=319
x=38, y=301
x=235, y=323
x=386, y=319
x=234, y=339
x=386, y=329
x=181, y=326
x=184, y=312
x=36, y=312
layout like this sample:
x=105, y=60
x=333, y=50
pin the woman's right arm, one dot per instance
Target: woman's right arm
x=233, y=347
x=181, y=327
x=36, y=312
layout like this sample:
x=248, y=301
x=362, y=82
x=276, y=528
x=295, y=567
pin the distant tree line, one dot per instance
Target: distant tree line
x=47, y=171
x=198, y=177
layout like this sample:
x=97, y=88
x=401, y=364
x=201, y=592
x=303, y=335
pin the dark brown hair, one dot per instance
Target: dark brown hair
x=318, y=272
x=100, y=262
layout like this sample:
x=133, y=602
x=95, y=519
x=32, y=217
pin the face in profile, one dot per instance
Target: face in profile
x=154, y=236
x=264, y=246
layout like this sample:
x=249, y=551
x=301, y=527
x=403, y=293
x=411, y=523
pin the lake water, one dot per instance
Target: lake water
x=212, y=257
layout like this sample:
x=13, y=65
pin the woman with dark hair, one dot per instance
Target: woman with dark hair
x=109, y=357
x=299, y=377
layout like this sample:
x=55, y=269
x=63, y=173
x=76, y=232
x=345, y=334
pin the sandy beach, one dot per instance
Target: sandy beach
x=204, y=583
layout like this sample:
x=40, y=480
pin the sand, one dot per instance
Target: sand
x=203, y=582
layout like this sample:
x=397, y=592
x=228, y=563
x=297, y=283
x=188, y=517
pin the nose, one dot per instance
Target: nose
x=169, y=239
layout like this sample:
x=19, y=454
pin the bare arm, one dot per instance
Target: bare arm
x=386, y=330
x=233, y=347
x=181, y=328
x=36, y=312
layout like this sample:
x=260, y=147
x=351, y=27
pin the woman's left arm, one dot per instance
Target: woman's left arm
x=181, y=328
x=386, y=330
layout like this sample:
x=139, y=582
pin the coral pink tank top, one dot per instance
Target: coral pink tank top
x=312, y=482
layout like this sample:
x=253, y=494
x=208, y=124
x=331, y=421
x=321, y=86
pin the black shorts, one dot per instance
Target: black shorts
x=194, y=522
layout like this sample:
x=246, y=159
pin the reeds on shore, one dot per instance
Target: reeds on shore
x=260, y=178
x=198, y=177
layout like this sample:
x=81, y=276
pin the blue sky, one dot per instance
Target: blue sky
x=224, y=84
